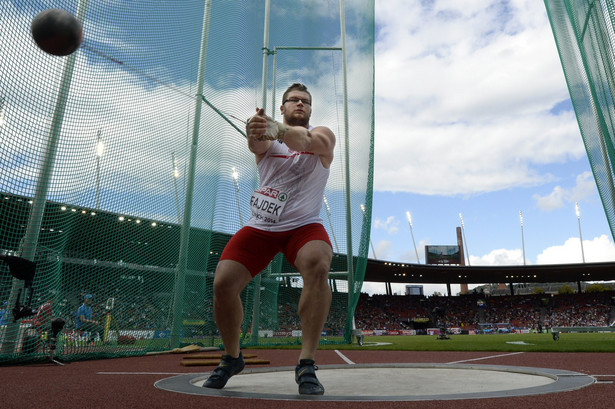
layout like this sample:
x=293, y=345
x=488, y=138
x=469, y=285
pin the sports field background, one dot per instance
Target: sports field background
x=568, y=342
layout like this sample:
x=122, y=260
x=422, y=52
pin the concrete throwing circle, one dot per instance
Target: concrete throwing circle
x=389, y=382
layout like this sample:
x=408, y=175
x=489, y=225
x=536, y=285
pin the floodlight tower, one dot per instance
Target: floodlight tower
x=175, y=177
x=370, y=238
x=418, y=261
x=576, y=207
x=522, y=239
x=328, y=211
x=236, y=184
x=100, y=150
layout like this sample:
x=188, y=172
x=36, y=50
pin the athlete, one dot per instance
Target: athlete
x=293, y=161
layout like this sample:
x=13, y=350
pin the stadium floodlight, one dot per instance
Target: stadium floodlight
x=465, y=242
x=576, y=207
x=328, y=211
x=100, y=150
x=175, y=168
x=370, y=236
x=522, y=238
x=409, y=217
x=175, y=177
x=100, y=146
x=235, y=175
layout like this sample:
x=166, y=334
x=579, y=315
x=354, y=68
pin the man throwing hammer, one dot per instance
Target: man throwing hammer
x=293, y=161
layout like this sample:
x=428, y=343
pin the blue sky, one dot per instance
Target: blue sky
x=473, y=116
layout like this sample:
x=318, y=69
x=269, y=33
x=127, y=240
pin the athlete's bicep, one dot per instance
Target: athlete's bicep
x=322, y=140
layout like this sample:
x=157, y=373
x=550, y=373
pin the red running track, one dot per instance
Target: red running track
x=129, y=382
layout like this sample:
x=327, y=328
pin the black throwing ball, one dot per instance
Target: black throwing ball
x=57, y=32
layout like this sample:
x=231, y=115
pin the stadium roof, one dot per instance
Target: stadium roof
x=394, y=272
x=144, y=247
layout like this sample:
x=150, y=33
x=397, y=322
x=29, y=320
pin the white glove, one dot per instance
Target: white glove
x=275, y=130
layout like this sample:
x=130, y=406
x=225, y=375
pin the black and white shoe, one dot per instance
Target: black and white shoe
x=228, y=367
x=305, y=376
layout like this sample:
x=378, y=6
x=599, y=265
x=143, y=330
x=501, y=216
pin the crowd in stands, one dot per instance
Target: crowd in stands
x=478, y=312
x=375, y=312
x=582, y=310
x=397, y=312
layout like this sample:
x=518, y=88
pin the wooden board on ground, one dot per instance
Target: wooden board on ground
x=185, y=350
x=214, y=356
x=215, y=362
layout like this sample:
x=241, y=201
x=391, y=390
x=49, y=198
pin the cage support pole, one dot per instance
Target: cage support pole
x=182, y=264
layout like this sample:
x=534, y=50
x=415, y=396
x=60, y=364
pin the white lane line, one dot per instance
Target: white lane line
x=344, y=357
x=486, y=357
x=141, y=373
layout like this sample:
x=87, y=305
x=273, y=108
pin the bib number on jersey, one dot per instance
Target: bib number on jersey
x=267, y=204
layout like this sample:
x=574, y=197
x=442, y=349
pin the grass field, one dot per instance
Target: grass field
x=568, y=342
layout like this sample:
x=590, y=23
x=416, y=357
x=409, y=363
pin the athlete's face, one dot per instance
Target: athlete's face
x=297, y=108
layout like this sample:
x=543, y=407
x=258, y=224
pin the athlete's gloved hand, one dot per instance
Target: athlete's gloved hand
x=275, y=130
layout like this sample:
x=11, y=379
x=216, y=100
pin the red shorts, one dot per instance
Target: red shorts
x=256, y=248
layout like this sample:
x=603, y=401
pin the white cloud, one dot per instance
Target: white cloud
x=585, y=187
x=499, y=257
x=598, y=249
x=391, y=224
x=553, y=200
x=464, y=92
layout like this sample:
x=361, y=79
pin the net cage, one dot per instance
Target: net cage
x=585, y=39
x=124, y=168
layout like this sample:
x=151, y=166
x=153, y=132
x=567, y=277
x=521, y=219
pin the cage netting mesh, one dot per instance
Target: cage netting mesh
x=124, y=170
x=585, y=39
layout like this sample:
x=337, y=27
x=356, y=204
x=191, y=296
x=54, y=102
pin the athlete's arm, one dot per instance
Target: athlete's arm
x=320, y=140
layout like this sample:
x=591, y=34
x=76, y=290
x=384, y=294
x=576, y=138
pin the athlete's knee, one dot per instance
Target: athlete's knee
x=315, y=264
x=314, y=260
x=316, y=275
x=230, y=279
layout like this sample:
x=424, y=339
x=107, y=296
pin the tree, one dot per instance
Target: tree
x=565, y=289
x=538, y=290
x=596, y=288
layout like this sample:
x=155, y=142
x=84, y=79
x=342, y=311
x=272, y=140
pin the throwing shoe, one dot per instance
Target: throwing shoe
x=228, y=367
x=305, y=376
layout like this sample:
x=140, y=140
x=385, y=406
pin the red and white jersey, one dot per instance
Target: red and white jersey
x=291, y=189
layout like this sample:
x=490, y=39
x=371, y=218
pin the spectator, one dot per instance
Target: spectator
x=4, y=314
x=84, y=322
x=42, y=319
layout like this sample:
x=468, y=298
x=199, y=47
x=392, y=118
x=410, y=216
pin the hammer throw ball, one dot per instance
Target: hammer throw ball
x=57, y=32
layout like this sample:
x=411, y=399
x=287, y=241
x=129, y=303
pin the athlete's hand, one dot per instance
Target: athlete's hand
x=275, y=130
x=256, y=125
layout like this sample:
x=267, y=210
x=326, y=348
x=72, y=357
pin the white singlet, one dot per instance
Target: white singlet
x=291, y=190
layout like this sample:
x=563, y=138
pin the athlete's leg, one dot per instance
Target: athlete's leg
x=231, y=278
x=313, y=262
x=245, y=255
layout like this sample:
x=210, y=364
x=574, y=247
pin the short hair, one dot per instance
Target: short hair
x=297, y=86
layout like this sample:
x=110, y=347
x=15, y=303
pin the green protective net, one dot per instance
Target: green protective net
x=124, y=170
x=585, y=39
